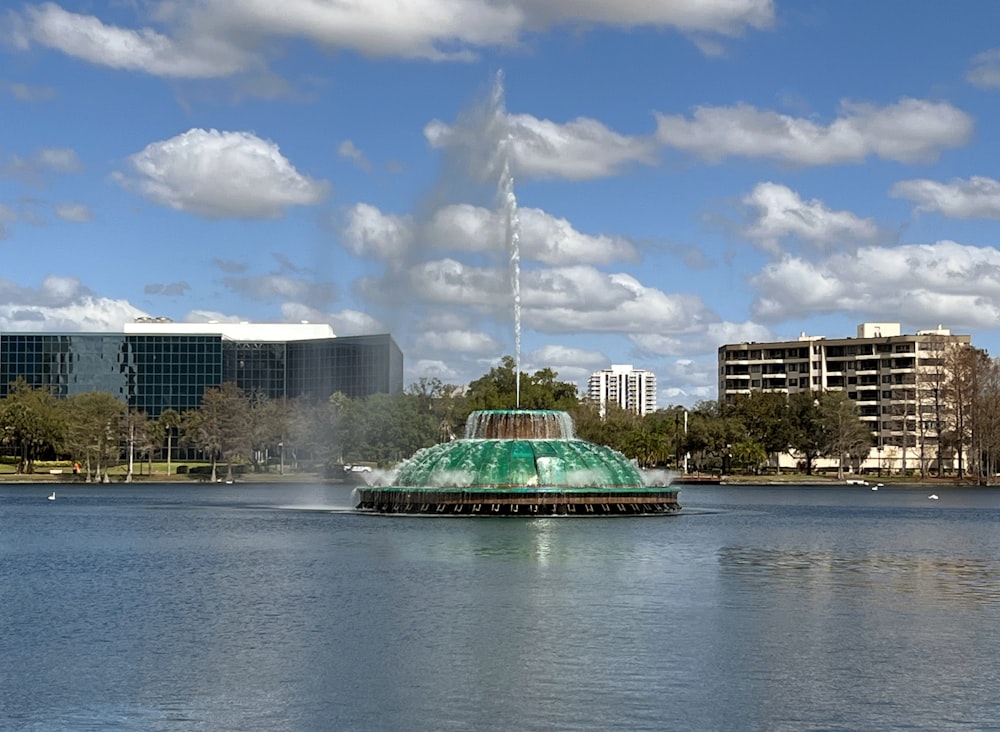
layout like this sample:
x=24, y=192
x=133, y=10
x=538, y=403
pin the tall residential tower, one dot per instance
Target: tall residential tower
x=629, y=388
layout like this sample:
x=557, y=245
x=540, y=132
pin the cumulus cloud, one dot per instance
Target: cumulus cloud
x=780, y=213
x=726, y=18
x=190, y=54
x=371, y=233
x=219, y=38
x=918, y=283
x=911, y=130
x=61, y=304
x=457, y=341
x=467, y=228
x=220, y=175
x=975, y=198
x=575, y=299
x=984, y=70
x=704, y=340
x=581, y=149
x=344, y=322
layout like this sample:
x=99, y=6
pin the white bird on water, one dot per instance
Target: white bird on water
x=933, y=496
x=52, y=496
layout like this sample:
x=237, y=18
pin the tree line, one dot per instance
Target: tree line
x=232, y=427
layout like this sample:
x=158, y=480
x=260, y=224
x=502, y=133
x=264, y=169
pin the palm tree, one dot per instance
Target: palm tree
x=169, y=421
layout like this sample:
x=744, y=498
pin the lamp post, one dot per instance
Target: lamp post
x=879, y=448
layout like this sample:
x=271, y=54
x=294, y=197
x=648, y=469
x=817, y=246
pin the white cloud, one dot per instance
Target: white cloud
x=344, y=322
x=221, y=175
x=985, y=69
x=910, y=130
x=467, y=228
x=450, y=282
x=457, y=341
x=431, y=368
x=543, y=237
x=583, y=299
x=781, y=213
x=76, y=212
x=727, y=17
x=430, y=29
x=977, y=197
x=195, y=55
x=371, y=233
x=219, y=38
x=704, y=340
x=555, y=353
x=581, y=149
x=943, y=282
x=61, y=304
x=210, y=316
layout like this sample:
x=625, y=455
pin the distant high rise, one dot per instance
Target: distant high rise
x=629, y=388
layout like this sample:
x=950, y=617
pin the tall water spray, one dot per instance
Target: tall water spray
x=512, y=223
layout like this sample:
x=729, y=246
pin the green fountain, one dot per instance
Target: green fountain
x=519, y=463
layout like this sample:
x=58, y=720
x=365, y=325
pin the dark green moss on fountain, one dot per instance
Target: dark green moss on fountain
x=519, y=462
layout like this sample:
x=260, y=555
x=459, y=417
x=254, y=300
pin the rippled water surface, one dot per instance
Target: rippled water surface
x=266, y=607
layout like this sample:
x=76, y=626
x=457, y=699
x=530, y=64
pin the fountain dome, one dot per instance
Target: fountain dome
x=519, y=461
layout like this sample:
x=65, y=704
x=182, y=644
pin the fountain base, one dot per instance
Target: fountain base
x=518, y=502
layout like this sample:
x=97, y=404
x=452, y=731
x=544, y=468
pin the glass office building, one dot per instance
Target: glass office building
x=169, y=366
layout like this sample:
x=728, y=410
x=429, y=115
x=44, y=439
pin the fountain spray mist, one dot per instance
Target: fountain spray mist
x=508, y=204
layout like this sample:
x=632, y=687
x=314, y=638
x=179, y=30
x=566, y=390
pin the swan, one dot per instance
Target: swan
x=933, y=496
x=52, y=496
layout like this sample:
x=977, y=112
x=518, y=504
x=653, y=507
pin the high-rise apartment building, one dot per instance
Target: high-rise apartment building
x=894, y=378
x=629, y=388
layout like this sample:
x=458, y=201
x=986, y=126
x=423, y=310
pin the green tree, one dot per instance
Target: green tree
x=541, y=390
x=30, y=421
x=221, y=426
x=766, y=419
x=166, y=426
x=845, y=434
x=807, y=438
x=94, y=431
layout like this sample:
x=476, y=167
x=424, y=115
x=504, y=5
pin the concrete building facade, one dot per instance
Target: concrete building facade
x=629, y=388
x=894, y=378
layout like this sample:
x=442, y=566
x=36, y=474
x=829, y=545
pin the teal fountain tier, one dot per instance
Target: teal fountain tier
x=519, y=462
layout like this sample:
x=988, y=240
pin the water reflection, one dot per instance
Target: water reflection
x=963, y=580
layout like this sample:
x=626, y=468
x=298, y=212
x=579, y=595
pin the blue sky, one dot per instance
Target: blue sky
x=688, y=173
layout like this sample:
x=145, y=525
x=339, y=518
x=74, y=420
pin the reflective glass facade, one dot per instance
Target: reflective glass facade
x=152, y=373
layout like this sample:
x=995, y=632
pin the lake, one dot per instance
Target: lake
x=274, y=607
